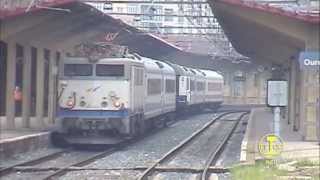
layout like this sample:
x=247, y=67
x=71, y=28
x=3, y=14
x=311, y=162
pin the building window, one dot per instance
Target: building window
x=181, y=20
x=132, y=9
x=150, y=11
x=168, y=12
x=238, y=88
x=168, y=30
x=119, y=9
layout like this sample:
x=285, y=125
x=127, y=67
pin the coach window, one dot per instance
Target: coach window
x=192, y=85
x=78, y=70
x=114, y=70
x=170, y=86
x=154, y=86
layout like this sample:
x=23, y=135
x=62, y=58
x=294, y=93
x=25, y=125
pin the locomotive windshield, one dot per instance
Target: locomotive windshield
x=78, y=69
x=114, y=70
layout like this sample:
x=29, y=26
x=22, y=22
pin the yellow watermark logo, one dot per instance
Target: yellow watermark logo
x=270, y=146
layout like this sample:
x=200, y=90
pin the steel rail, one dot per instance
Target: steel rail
x=216, y=153
x=180, y=146
x=6, y=170
x=92, y=158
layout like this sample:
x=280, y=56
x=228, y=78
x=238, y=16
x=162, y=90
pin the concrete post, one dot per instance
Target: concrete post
x=11, y=83
x=26, y=91
x=292, y=92
x=245, y=86
x=226, y=87
x=40, y=90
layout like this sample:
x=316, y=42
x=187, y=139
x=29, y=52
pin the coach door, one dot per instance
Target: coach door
x=137, y=90
x=188, y=90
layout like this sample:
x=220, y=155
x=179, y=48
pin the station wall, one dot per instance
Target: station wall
x=31, y=71
x=245, y=87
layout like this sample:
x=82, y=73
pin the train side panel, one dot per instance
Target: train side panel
x=153, y=90
x=214, y=88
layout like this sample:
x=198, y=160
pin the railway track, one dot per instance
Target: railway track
x=59, y=171
x=31, y=166
x=7, y=170
x=88, y=160
x=213, y=155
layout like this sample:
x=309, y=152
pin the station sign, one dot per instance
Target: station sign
x=309, y=60
x=277, y=93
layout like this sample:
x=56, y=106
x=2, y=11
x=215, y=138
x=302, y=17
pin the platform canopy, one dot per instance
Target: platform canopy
x=266, y=33
x=65, y=23
x=62, y=24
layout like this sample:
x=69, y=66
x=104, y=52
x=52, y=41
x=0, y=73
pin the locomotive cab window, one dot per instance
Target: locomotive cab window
x=113, y=70
x=78, y=69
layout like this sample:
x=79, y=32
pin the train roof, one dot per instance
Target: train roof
x=180, y=70
x=212, y=74
x=197, y=72
x=155, y=65
x=84, y=60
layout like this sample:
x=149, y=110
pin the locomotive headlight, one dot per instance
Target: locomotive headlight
x=104, y=104
x=70, y=103
x=116, y=104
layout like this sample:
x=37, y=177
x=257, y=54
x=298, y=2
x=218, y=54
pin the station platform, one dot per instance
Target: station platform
x=260, y=123
x=23, y=140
